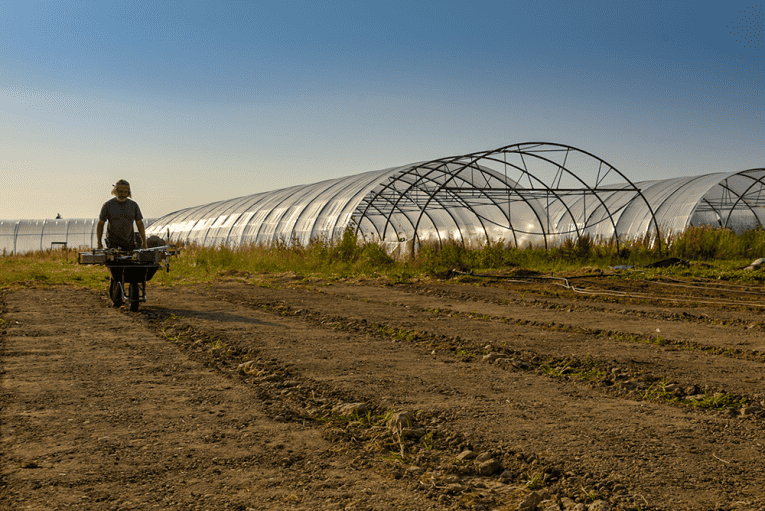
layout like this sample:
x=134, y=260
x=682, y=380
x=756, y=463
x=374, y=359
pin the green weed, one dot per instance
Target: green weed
x=399, y=334
x=557, y=372
x=465, y=354
x=218, y=347
x=428, y=441
x=718, y=401
x=534, y=482
x=169, y=337
x=658, y=390
x=583, y=369
x=394, y=457
x=589, y=495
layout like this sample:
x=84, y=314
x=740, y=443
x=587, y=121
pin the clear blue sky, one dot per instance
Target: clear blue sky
x=199, y=101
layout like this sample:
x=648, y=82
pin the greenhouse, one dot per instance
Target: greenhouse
x=531, y=193
x=523, y=194
x=19, y=236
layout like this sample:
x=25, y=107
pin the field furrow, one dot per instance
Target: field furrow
x=367, y=396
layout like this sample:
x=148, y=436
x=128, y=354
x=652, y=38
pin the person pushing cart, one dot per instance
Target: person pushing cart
x=120, y=212
x=129, y=267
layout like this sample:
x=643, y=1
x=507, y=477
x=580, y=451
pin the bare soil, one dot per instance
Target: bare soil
x=278, y=392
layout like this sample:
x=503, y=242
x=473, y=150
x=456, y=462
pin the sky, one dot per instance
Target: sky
x=194, y=102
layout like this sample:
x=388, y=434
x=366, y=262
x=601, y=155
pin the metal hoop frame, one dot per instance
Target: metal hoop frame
x=432, y=185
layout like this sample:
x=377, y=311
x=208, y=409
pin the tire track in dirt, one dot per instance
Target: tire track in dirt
x=671, y=455
x=99, y=412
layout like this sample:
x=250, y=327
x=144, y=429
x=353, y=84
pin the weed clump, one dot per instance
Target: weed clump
x=707, y=243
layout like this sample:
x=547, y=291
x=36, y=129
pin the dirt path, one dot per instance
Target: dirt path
x=101, y=412
x=241, y=394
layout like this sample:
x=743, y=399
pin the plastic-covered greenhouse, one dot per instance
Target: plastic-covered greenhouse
x=532, y=193
x=538, y=193
x=19, y=236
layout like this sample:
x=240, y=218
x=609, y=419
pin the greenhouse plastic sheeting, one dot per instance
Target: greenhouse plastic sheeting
x=299, y=213
x=19, y=236
x=536, y=193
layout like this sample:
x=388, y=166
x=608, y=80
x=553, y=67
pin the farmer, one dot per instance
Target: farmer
x=120, y=212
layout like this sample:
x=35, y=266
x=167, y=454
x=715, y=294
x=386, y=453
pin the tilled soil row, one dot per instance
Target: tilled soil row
x=530, y=295
x=729, y=302
x=747, y=320
x=416, y=447
x=482, y=396
x=626, y=379
x=282, y=413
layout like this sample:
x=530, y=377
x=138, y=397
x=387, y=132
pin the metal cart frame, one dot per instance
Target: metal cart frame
x=129, y=271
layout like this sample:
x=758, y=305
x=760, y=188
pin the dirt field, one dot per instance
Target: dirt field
x=278, y=392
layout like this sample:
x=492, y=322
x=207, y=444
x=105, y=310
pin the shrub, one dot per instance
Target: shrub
x=710, y=243
x=375, y=256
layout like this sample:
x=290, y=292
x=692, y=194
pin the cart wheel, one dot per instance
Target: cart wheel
x=114, y=293
x=134, y=296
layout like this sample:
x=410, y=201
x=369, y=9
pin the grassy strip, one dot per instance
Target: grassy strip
x=720, y=254
x=49, y=267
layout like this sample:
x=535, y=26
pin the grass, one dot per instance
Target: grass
x=719, y=401
x=534, y=482
x=710, y=401
x=49, y=268
x=399, y=334
x=169, y=337
x=589, y=495
x=717, y=254
x=428, y=441
x=215, y=345
x=586, y=369
x=466, y=354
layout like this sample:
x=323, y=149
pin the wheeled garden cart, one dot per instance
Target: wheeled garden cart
x=129, y=271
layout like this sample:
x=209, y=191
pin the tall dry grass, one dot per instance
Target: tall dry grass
x=720, y=249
